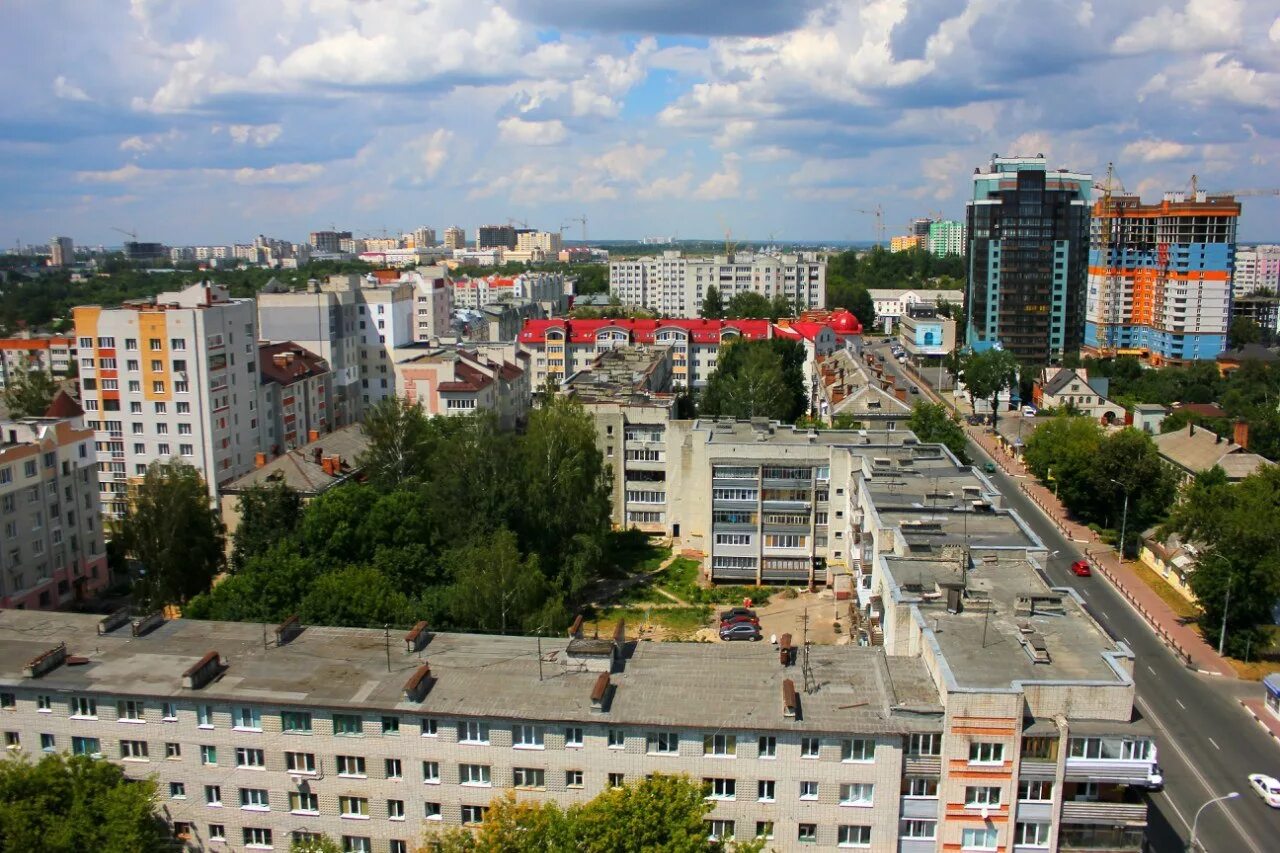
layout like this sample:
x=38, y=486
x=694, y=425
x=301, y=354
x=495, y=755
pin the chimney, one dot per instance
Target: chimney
x=313, y=435
x=259, y=459
x=1240, y=433
x=317, y=453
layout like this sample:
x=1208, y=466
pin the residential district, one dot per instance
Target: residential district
x=938, y=665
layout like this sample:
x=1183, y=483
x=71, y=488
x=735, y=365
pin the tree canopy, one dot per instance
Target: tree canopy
x=988, y=374
x=712, y=304
x=29, y=393
x=850, y=275
x=932, y=422
x=763, y=378
x=69, y=804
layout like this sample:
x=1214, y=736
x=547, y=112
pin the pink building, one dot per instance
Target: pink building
x=458, y=381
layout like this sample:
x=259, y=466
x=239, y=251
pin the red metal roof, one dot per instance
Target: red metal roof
x=646, y=331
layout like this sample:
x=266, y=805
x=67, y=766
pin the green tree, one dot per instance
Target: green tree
x=357, y=597
x=1127, y=463
x=495, y=589
x=317, y=843
x=172, y=529
x=29, y=394
x=1059, y=453
x=398, y=442
x=1243, y=331
x=70, y=804
x=781, y=307
x=712, y=304
x=268, y=588
x=757, y=379
x=932, y=422
x=267, y=514
x=749, y=304
x=987, y=374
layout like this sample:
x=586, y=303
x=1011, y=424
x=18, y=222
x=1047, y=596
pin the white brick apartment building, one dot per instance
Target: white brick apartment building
x=675, y=286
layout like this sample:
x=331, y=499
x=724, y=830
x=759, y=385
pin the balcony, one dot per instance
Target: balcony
x=1038, y=769
x=1108, y=770
x=1035, y=810
x=922, y=765
x=1110, y=814
x=922, y=807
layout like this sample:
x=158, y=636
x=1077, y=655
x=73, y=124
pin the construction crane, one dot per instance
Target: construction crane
x=729, y=245
x=878, y=213
x=513, y=222
x=133, y=234
x=582, y=219
x=1108, y=214
x=1245, y=193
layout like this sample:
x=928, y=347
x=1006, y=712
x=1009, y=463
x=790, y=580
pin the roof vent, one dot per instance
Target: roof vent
x=203, y=671
x=147, y=624
x=786, y=654
x=46, y=661
x=288, y=629
x=575, y=630
x=416, y=638
x=415, y=689
x=109, y=623
x=790, y=700
x=1034, y=645
x=601, y=694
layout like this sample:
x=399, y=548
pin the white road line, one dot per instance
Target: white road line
x=1215, y=744
x=1150, y=670
x=1084, y=592
x=1146, y=709
x=1179, y=701
x=1104, y=615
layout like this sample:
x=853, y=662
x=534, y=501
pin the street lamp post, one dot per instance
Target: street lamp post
x=1124, y=519
x=1226, y=606
x=1195, y=823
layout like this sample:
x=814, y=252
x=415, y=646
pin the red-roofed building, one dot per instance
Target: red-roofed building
x=294, y=397
x=51, y=354
x=546, y=289
x=457, y=381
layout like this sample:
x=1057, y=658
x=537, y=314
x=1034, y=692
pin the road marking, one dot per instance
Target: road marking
x=1104, y=615
x=1152, y=671
x=1215, y=744
x=1146, y=709
x=1084, y=592
x=1179, y=701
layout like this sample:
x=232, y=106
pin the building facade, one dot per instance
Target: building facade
x=545, y=289
x=294, y=396
x=1028, y=261
x=946, y=237
x=455, y=237
x=171, y=378
x=1160, y=277
x=456, y=380
x=905, y=242
x=496, y=236
x=328, y=241
x=1257, y=268
x=674, y=285
x=52, y=354
x=52, y=552
x=62, y=252
x=895, y=302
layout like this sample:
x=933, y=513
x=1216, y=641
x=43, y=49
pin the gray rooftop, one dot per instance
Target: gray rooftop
x=729, y=431
x=299, y=468
x=695, y=685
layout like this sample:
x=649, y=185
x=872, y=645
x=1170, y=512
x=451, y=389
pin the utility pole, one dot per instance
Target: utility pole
x=386, y=633
x=1226, y=606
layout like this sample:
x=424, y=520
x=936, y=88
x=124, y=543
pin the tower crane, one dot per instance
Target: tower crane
x=729, y=245
x=132, y=234
x=878, y=213
x=1245, y=193
x=513, y=222
x=582, y=219
x=1108, y=299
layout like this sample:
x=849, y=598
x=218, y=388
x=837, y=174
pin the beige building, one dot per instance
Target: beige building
x=62, y=252
x=294, y=396
x=52, y=551
x=675, y=285
x=548, y=243
x=455, y=237
x=175, y=377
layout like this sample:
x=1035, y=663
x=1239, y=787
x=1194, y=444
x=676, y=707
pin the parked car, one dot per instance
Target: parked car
x=989, y=467
x=739, y=631
x=1155, y=781
x=726, y=615
x=1267, y=787
x=740, y=620
x=915, y=389
x=1028, y=411
x=1080, y=568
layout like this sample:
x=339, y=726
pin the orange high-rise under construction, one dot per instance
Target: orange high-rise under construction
x=1160, y=276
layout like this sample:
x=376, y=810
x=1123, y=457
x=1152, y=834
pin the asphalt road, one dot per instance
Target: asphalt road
x=1207, y=743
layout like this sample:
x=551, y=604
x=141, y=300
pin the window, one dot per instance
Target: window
x=44, y=703
x=186, y=449
x=473, y=732
x=573, y=736
x=473, y=814
x=353, y=806
x=986, y=753
x=429, y=727
x=528, y=777
x=1109, y=749
x=767, y=747
x=351, y=765
x=304, y=802
x=217, y=832
x=348, y=725
x=1039, y=748
x=720, y=746
x=259, y=838
x=395, y=809
x=809, y=747
x=431, y=772
x=48, y=743
x=156, y=344
x=927, y=744
x=917, y=828
x=859, y=749
x=248, y=757
x=161, y=408
x=178, y=790
x=173, y=750
x=1031, y=834
x=204, y=716
x=248, y=719
x=721, y=789
x=213, y=795
x=1035, y=790
x=919, y=787
x=86, y=746
x=719, y=829
x=663, y=743
x=807, y=833
x=392, y=768
x=130, y=710
x=527, y=737
x=617, y=739
x=13, y=740
x=616, y=780
x=296, y=722
x=300, y=762
x=573, y=778
x=853, y=836
x=84, y=707
x=254, y=799
x=981, y=795
x=978, y=839
x=431, y=811
x=808, y=790
x=473, y=774
x=764, y=829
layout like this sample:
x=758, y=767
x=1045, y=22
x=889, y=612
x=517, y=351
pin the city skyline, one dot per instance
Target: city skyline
x=199, y=125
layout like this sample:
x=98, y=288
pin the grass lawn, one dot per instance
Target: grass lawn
x=681, y=580
x=676, y=623
x=635, y=553
x=1262, y=662
x=1170, y=596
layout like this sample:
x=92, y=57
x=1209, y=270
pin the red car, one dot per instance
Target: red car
x=740, y=619
x=1080, y=568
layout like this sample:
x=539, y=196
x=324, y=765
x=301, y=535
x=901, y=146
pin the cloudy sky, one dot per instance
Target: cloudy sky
x=217, y=120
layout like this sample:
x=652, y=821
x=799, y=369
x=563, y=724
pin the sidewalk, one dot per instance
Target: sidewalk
x=1258, y=710
x=1184, y=640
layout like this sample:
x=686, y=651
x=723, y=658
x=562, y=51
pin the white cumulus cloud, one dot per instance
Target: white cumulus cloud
x=520, y=132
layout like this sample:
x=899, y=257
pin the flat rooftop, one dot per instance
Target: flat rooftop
x=985, y=644
x=693, y=685
x=727, y=431
x=934, y=527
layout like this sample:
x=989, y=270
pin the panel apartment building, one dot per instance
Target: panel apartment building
x=988, y=712
x=674, y=285
x=1028, y=262
x=175, y=377
x=49, y=354
x=1160, y=277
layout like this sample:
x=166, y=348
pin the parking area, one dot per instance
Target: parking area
x=790, y=615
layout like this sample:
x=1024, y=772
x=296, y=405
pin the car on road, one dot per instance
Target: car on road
x=915, y=389
x=990, y=467
x=739, y=631
x=1080, y=568
x=1028, y=411
x=1267, y=787
x=726, y=615
x=740, y=620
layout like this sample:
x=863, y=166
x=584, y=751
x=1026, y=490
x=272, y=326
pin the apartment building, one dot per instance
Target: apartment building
x=49, y=354
x=549, y=243
x=545, y=289
x=1257, y=268
x=1028, y=229
x=52, y=552
x=174, y=377
x=987, y=711
x=895, y=302
x=675, y=285
x=433, y=301
x=495, y=237
x=329, y=242
x=906, y=242
x=62, y=252
x=946, y=237
x=849, y=388
x=458, y=380
x=294, y=394
x=1160, y=277
x=455, y=237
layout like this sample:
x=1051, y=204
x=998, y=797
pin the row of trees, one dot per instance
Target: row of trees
x=1095, y=474
x=850, y=276
x=745, y=305
x=459, y=522
x=755, y=379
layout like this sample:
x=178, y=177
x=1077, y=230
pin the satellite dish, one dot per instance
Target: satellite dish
x=984, y=811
